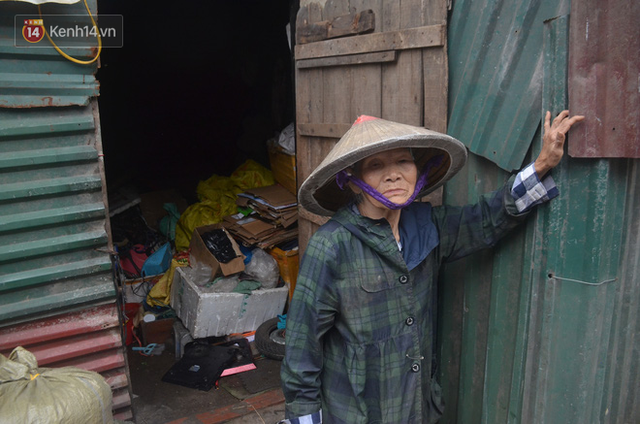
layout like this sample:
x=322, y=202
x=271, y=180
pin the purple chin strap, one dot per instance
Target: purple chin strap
x=342, y=178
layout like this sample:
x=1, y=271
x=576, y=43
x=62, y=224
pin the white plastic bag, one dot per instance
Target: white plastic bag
x=264, y=268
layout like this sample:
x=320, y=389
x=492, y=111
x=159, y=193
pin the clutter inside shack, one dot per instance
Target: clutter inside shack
x=214, y=276
x=201, y=178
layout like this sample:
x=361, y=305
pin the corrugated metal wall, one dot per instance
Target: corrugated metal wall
x=495, y=65
x=54, y=250
x=544, y=329
x=57, y=293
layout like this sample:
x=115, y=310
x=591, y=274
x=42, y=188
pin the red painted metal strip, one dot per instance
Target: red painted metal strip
x=60, y=326
x=116, y=379
x=75, y=347
x=120, y=398
x=125, y=415
x=99, y=362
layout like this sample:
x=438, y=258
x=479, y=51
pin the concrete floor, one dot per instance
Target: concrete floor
x=249, y=397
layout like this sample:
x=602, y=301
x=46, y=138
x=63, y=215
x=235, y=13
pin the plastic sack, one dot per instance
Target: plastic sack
x=224, y=284
x=160, y=293
x=158, y=262
x=219, y=245
x=264, y=268
x=168, y=222
x=287, y=141
x=197, y=215
x=198, y=272
x=29, y=394
x=251, y=175
x=133, y=259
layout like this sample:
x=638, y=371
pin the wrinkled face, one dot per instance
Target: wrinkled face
x=392, y=173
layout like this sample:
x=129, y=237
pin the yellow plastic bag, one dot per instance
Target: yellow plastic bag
x=160, y=293
x=251, y=175
x=218, y=199
x=199, y=214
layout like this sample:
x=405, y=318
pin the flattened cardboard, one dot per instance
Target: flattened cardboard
x=274, y=195
x=201, y=253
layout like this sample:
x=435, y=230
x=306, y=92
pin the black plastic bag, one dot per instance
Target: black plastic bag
x=218, y=243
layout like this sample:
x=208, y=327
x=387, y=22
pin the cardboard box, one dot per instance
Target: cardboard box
x=202, y=254
x=206, y=314
x=283, y=167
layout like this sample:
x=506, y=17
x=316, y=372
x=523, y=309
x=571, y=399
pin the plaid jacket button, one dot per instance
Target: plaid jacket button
x=403, y=279
x=415, y=367
x=409, y=321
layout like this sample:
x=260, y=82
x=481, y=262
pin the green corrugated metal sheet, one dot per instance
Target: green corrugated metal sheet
x=53, y=243
x=528, y=335
x=54, y=247
x=39, y=77
x=495, y=69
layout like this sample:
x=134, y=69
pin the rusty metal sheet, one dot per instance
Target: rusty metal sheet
x=89, y=339
x=604, y=75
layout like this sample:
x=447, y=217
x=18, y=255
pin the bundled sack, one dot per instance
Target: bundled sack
x=68, y=395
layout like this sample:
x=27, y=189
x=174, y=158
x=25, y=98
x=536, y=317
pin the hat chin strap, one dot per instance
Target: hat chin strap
x=342, y=178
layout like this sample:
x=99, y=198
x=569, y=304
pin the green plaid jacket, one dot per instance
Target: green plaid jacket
x=360, y=330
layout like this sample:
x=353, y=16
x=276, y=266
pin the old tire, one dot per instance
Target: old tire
x=270, y=339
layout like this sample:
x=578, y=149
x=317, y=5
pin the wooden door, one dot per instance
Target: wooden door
x=383, y=58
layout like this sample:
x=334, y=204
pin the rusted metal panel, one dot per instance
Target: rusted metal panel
x=604, y=71
x=89, y=339
x=495, y=64
x=38, y=76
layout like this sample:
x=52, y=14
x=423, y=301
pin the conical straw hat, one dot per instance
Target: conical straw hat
x=320, y=194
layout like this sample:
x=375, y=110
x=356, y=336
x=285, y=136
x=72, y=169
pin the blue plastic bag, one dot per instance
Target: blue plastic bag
x=158, y=262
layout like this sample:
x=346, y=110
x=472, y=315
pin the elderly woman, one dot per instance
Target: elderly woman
x=360, y=327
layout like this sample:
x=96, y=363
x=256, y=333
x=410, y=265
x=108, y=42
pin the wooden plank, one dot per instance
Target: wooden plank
x=309, y=99
x=413, y=38
x=328, y=130
x=353, y=59
x=333, y=107
x=358, y=23
x=435, y=81
x=340, y=26
x=402, y=98
x=367, y=79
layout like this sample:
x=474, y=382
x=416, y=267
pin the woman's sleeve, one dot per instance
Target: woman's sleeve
x=310, y=315
x=467, y=229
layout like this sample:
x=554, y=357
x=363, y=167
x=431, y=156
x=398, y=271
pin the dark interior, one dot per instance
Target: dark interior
x=197, y=89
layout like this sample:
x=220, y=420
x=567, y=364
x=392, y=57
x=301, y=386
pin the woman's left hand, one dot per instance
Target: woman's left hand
x=553, y=141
